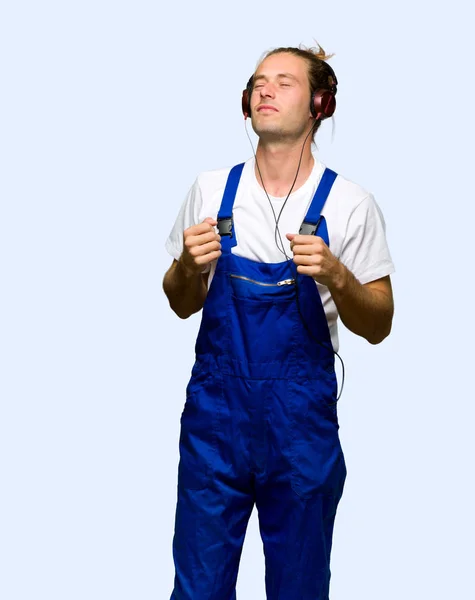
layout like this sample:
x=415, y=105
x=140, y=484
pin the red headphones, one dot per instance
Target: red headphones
x=322, y=103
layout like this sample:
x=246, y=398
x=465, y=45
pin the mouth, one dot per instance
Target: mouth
x=266, y=108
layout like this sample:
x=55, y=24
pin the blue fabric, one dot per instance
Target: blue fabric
x=226, y=209
x=321, y=195
x=259, y=427
x=314, y=215
x=322, y=231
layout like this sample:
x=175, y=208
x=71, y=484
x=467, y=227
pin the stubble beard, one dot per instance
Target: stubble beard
x=275, y=133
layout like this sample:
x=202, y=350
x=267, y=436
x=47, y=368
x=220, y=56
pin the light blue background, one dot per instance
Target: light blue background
x=109, y=111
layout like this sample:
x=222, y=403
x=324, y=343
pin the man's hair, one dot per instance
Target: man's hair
x=319, y=76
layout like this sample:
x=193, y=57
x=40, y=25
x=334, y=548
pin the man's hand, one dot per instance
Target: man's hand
x=201, y=245
x=313, y=257
x=184, y=283
x=367, y=310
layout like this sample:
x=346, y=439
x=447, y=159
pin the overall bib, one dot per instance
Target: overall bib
x=259, y=426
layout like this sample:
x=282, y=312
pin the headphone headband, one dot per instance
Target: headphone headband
x=333, y=86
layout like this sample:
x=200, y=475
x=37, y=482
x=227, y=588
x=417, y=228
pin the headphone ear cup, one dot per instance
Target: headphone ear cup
x=246, y=98
x=246, y=107
x=323, y=104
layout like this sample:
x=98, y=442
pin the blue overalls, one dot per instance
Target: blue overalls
x=259, y=426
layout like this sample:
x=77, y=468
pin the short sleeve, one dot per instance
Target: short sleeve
x=187, y=216
x=365, y=251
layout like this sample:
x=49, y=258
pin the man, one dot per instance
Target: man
x=260, y=422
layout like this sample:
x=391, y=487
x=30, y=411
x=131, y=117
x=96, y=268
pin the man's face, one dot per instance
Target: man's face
x=280, y=100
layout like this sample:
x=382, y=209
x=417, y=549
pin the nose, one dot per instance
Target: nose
x=267, y=90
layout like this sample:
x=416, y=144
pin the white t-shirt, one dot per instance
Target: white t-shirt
x=355, y=224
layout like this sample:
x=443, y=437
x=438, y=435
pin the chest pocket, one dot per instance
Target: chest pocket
x=262, y=319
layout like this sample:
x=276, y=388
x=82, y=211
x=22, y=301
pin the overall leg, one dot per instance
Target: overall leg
x=298, y=493
x=215, y=492
x=210, y=527
x=297, y=537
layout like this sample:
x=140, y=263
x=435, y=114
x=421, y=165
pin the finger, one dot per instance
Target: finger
x=200, y=228
x=207, y=258
x=204, y=238
x=305, y=239
x=200, y=239
x=205, y=249
x=306, y=270
x=305, y=249
x=307, y=260
x=211, y=221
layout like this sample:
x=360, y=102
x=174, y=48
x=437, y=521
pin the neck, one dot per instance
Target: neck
x=278, y=165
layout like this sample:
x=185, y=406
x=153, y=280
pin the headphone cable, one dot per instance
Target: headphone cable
x=288, y=259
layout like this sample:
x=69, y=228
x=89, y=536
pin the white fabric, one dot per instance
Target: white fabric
x=356, y=227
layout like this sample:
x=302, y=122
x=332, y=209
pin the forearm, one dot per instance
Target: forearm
x=186, y=291
x=364, y=310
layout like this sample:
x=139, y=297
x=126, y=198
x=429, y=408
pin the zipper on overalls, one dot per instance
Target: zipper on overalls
x=283, y=282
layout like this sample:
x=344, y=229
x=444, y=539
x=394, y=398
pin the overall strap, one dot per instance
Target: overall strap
x=314, y=221
x=225, y=214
